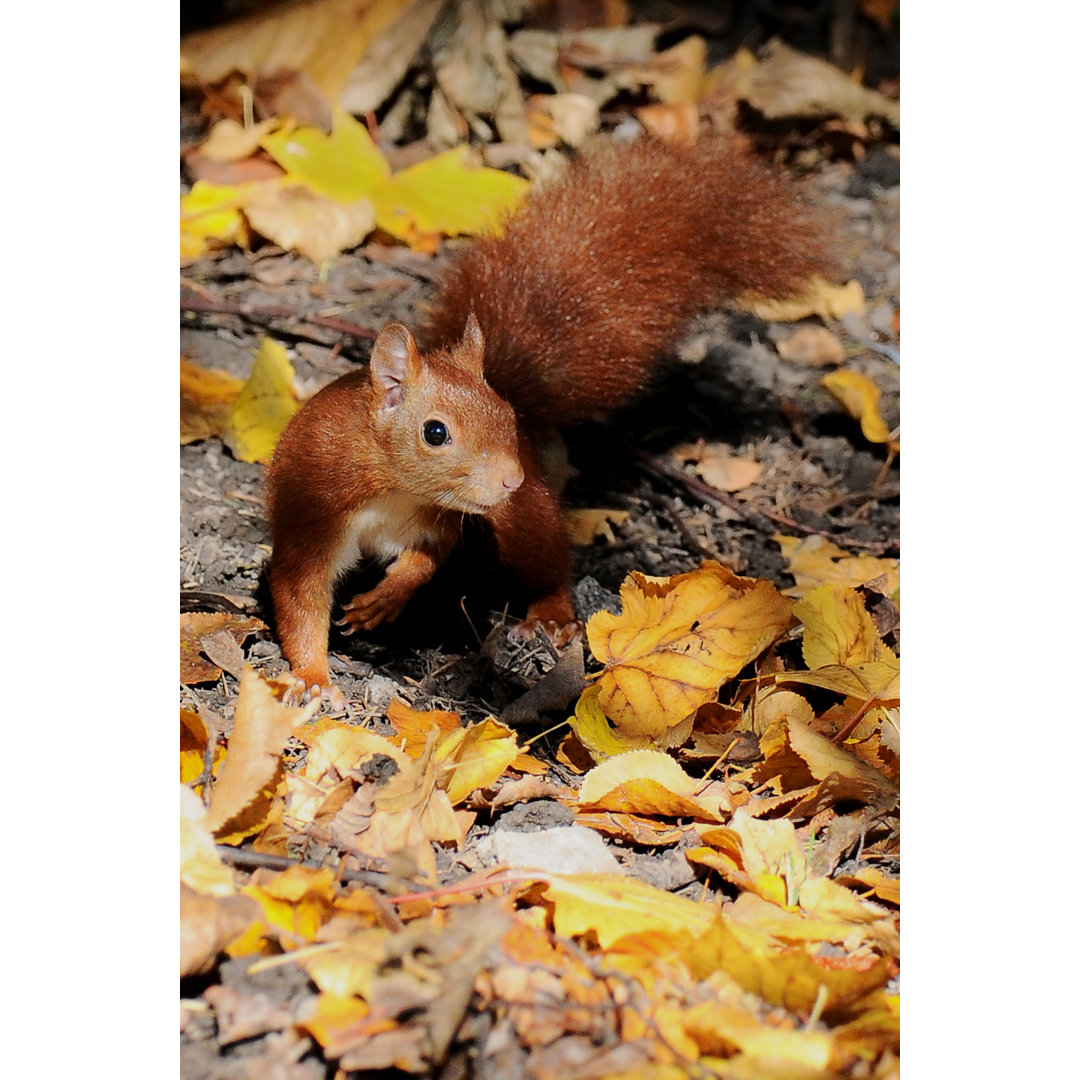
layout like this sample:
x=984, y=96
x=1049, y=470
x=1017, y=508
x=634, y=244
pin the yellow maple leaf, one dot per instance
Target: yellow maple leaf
x=345, y=165
x=446, y=195
x=263, y=407
x=677, y=640
x=859, y=396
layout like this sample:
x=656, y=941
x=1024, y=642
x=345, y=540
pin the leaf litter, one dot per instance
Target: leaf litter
x=336, y=913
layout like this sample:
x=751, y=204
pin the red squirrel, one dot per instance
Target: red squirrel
x=562, y=316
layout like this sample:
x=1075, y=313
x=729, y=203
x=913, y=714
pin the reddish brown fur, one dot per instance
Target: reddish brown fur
x=594, y=277
x=598, y=273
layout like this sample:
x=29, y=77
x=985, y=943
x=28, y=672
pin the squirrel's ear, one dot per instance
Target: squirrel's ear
x=470, y=354
x=394, y=361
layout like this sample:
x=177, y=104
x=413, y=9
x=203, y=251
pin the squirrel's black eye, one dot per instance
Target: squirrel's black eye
x=435, y=433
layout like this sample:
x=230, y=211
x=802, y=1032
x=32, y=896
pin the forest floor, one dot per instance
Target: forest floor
x=727, y=385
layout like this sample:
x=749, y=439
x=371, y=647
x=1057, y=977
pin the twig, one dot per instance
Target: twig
x=762, y=520
x=255, y=860
x=205, y=302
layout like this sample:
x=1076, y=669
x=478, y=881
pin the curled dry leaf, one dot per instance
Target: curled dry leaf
x=208, y=926
x=676, y=641
x=812, y=345
x=195, y=626
x=299, y=219
x=859, y=396
x=786, y=83
x=819, y=298
x=324, y=39
x=647, y=782
x=261, y=727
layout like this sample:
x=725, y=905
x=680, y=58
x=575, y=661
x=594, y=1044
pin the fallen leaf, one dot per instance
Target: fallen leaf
x=786, y=83
x=208, y=926
x=298, y=219
x=585, y=526
x=261, y=727
x=345, y=166
x=446, y=195
x=413, y=725
x=812, y=345
x=614, y=907
x=716, y=466
x=324, y=38
x=814, y=560
x=838, y=629
x=197, y=625
x=229, y=141
x=676, y=641
x=201, y=867
x=263, y=407
x=819, y=298
x=210, y=217
x=473, y=757
x=860, y=397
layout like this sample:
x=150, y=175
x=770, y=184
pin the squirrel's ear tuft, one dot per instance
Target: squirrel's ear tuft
x=395, y=360
x=470, y=353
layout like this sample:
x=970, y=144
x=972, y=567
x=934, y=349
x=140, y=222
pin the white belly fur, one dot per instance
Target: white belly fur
x=383, y=529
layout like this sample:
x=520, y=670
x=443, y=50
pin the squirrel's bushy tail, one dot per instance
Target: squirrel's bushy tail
x=599, y=271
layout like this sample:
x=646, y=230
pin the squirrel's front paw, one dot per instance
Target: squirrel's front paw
x=382, y=604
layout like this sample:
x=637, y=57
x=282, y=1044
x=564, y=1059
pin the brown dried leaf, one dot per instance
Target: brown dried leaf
x=261, y=727
x=208, y=925
x=197, y=625
x=324, y=38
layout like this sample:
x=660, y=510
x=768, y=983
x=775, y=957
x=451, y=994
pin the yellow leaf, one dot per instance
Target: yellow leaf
x=784, y=1054
x=584, y=526
x=261, y=727
x=819, y=298
x=613, y=906
x=345, y=165
x=838, y=629
x=263, y=407
x=645, y=782
x=413, y=725
x=335, y=1017
x=211, y=213
x=860, y=397
x=474, y=757
x=814, y=560
x=595, y=733
x=446, y=195
x=789, y=977
x=677, y=640
x=201, y=867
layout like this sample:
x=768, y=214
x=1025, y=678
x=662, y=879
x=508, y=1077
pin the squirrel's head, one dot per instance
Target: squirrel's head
x=452, y=437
